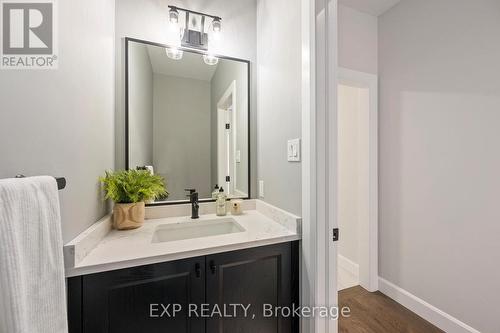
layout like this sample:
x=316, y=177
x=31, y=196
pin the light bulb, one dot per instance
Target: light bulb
x=174, y=53
x=216, y=25
x=215, y=36
x=173, y=16
x=174, y=27
x=210, y=60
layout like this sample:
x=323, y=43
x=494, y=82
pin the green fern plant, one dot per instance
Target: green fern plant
x=131, y=186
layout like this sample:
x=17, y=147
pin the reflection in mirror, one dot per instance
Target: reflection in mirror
x=188, y=120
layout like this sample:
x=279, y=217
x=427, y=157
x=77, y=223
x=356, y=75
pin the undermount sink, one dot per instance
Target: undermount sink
x=195, y=229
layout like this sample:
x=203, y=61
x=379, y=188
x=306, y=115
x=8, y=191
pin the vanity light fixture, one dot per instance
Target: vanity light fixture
x=210, y=60
x=194, y=35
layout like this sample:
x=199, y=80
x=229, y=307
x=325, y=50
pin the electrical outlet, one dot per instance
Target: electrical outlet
x=261, y=188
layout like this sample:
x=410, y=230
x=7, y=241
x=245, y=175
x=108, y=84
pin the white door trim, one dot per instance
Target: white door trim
x=319, y=160
x=368, y=172
x=331, y=143
x=221, y=108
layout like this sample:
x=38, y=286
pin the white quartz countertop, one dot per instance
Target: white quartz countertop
x=264, y=225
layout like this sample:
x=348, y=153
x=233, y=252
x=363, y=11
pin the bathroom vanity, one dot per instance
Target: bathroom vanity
x=176, y=274
x=190, y=295
x=186, y=269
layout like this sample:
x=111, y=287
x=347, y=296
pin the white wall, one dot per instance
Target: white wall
x=141, y=106
x=278, y=100
x=357, y=40
x=148, y=20
x=60, y=122
x=181, y=130
x=349, y=108
x=439, y=158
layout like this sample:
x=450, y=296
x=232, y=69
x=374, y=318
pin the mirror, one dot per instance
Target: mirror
x=187, y=119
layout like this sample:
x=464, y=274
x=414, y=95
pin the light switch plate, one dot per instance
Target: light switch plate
x=261, y=188
x=238, y=156
x=293, y=150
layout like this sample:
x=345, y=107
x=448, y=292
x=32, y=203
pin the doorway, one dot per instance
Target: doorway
x=357, y=200
x=226, y=140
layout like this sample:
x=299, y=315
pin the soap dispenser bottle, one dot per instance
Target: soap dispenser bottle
x=215, y=192
x=220, y=208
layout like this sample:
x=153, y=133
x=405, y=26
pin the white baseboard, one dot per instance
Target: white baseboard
x=349, y=266
x=425, y=310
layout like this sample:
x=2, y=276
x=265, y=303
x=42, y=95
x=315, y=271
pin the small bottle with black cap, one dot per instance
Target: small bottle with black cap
x=220, y=208
x=215, y=192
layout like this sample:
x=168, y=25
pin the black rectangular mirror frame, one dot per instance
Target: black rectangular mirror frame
x=127, y=136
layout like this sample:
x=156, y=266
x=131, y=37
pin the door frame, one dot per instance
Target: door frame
x=319, y=160
x=368, y=172
x=229, y=93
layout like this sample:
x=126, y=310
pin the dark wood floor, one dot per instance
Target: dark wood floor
x=377, y=313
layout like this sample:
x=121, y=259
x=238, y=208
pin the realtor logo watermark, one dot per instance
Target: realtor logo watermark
x=158, y=310
x=29, y=34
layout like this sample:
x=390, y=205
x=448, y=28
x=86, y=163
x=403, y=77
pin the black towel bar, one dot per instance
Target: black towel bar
x=61, y=181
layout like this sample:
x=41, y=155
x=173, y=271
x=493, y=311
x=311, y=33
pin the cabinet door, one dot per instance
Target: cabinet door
x=258, y=276
x=129, y=300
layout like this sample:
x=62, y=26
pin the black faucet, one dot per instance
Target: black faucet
x=193, y=198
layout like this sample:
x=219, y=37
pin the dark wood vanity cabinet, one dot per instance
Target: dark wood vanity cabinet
x=141, y=299
x=125, y=300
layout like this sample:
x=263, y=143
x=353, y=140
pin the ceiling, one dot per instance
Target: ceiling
x=372, y=7
x=191, y=66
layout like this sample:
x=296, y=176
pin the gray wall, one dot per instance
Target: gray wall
x=227, y=72
x=278, y=100
x=60, y=122
x=148, y=19
x=439, y=156
x=181, y=127
x=358, y=40
x=141, y=106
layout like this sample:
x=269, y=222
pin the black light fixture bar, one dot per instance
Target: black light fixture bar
x=195, y=12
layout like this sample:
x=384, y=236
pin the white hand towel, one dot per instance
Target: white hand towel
x=32, y=286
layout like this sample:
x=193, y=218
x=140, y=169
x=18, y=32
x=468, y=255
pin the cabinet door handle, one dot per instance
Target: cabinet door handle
x=212, y=267
x=197, y=270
